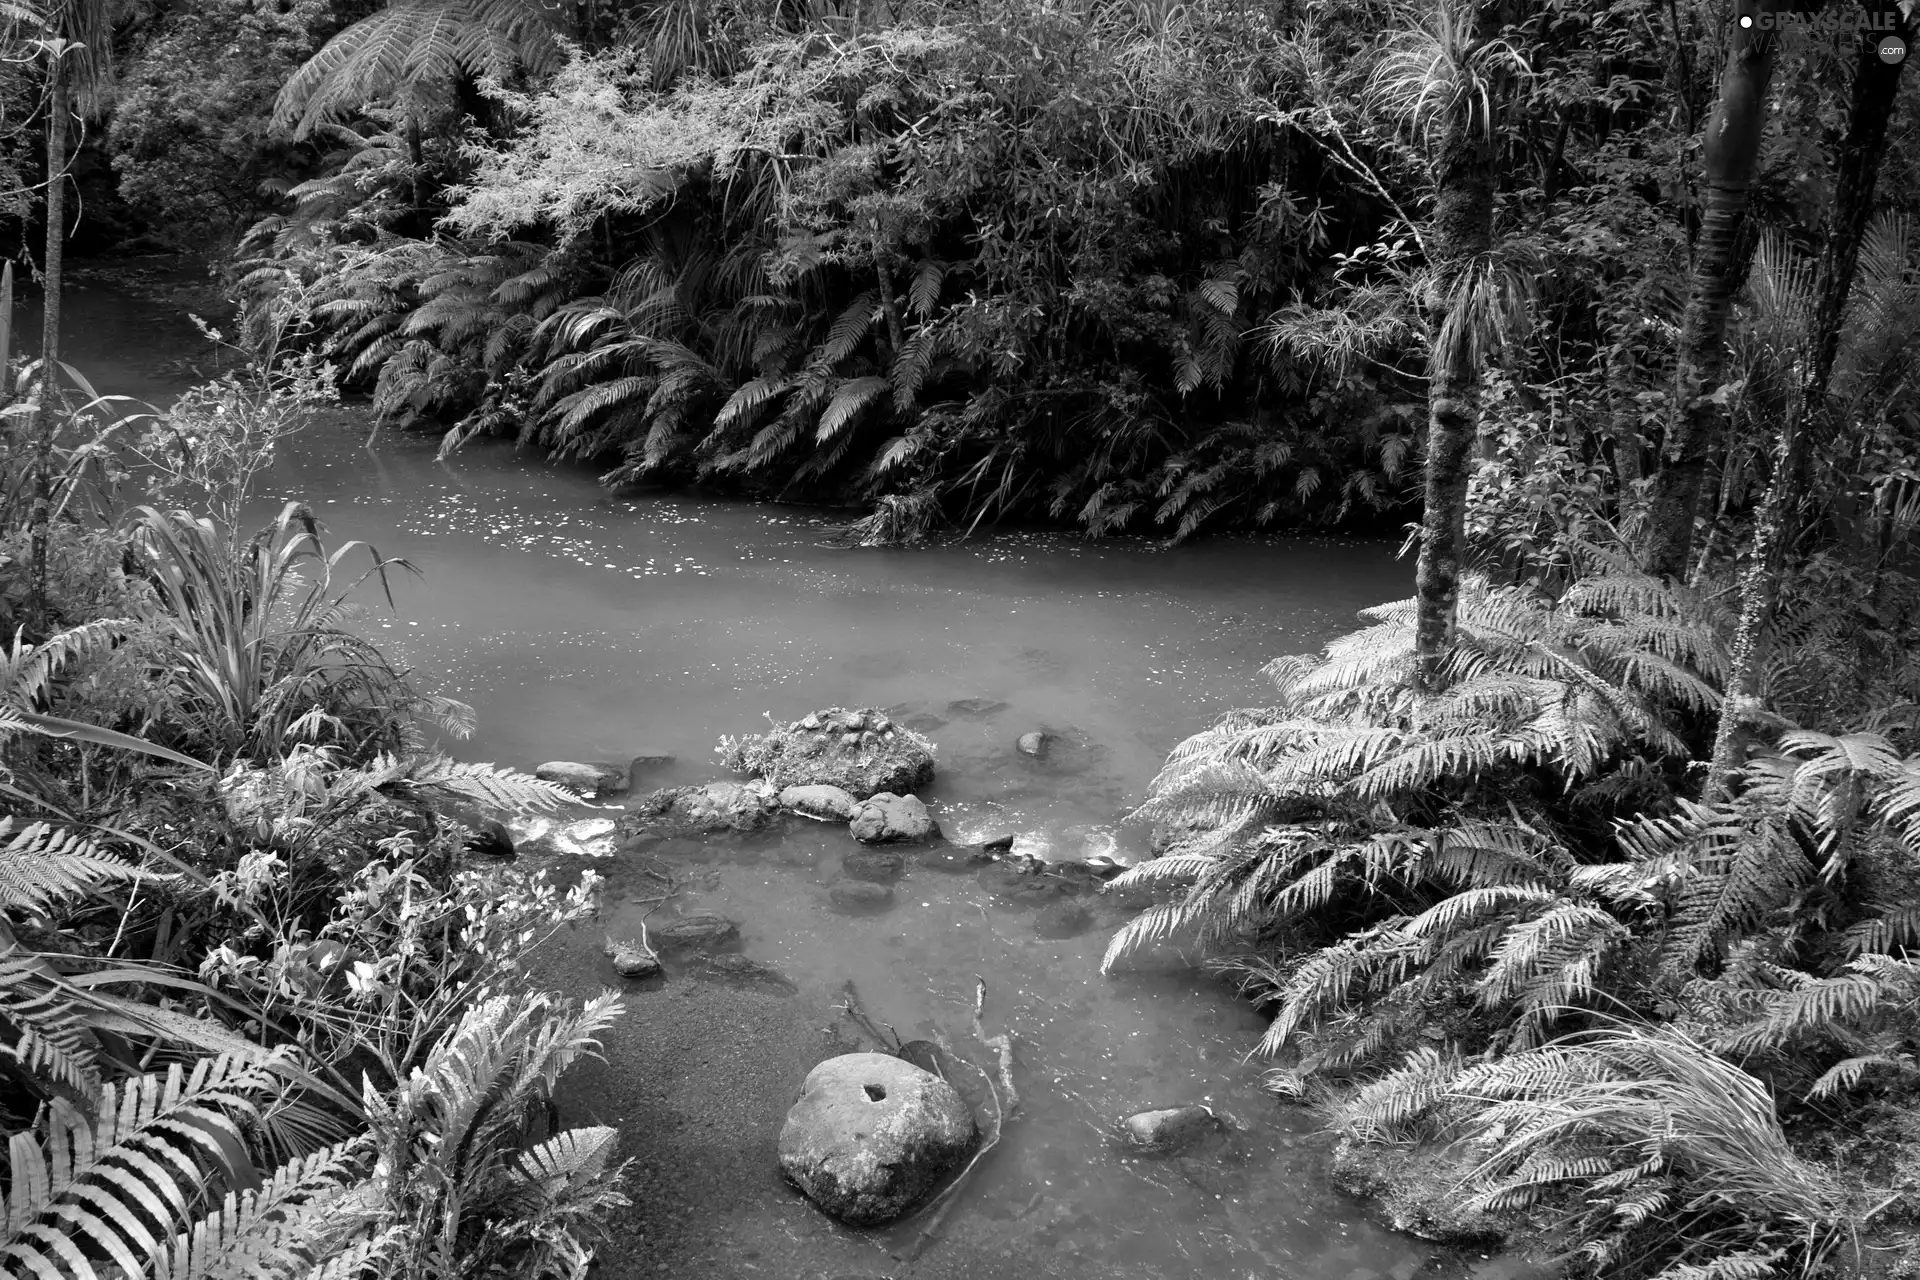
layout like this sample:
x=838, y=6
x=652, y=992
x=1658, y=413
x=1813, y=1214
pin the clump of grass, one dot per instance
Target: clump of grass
x=1667, y=1153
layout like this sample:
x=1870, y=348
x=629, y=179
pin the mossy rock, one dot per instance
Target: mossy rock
x=702, y=810
x=863, y=752
x=1414, y=1188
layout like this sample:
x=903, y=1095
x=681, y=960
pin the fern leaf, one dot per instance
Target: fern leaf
x=41, y=864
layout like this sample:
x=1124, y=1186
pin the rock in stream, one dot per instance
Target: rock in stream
x=871, y=1135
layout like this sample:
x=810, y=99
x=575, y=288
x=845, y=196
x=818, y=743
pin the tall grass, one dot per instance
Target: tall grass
x=257, y=644
x=1672, y=1155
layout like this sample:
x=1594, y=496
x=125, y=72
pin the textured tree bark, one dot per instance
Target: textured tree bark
x=1732, y=147
x=46, y=420
x=1857, y=174
x=1462, y=231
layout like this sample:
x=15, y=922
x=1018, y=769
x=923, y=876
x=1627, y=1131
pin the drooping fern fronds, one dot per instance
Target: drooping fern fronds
x=125, y=1175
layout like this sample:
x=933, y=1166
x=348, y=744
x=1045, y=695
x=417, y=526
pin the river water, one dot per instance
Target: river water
x=582, y=626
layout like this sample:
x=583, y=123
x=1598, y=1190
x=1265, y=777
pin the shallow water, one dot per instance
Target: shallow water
x=584, y=627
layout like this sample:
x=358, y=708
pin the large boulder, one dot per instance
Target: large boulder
x=891, y=819
x=862, y=752
x=871, y=1135
x=701, y=810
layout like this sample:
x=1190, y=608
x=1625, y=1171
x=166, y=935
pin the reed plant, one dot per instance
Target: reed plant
x=258, y=638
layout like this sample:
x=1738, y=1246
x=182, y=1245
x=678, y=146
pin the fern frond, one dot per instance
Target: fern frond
x=41, y=864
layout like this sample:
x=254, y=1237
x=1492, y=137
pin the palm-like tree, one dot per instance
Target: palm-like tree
x=411, y=53
x=1730, y=153
x=1444, y=76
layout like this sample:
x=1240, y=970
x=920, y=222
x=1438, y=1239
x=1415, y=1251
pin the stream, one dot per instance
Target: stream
x=581, y=626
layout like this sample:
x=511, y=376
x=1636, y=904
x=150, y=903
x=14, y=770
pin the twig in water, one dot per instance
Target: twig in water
x=943, y=1203
x=852, y=1009
x=1002, y=1042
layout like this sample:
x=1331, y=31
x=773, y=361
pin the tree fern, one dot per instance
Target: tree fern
x=411, y=51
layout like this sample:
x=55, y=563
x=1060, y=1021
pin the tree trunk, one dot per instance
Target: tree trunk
x=1857, y=173
x=46, y=421
x=1452, y=420
x=1732, y=148
x=1462, y=232
x=889, y=305
x=416, y=158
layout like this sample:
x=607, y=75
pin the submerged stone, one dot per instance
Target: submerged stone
x=861, y=896
x=700, y=931
x=744, y=971
x=1065, y=919
x=881, y=866
x=1169, y=1130
x=975, y=707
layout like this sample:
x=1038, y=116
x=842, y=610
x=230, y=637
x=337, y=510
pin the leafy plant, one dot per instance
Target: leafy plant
x=255, y=648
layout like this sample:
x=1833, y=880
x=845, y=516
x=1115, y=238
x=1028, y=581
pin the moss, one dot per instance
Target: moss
x=1413, y=1186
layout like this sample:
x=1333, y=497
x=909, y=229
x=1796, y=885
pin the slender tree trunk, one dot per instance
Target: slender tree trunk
x=1732, y=148
x=47, y=419
x=416, y=158
x=1857, y=173
x=1462, y=231
x=889, y=305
